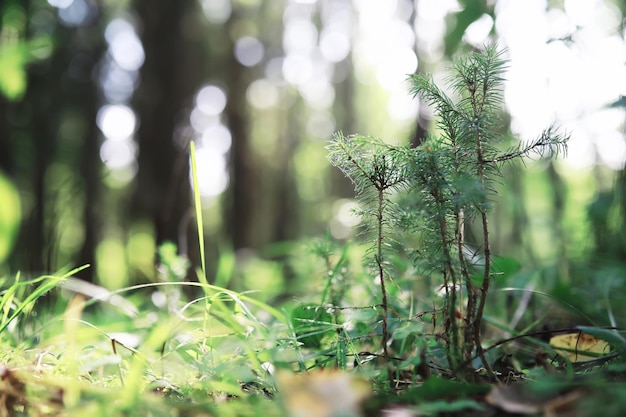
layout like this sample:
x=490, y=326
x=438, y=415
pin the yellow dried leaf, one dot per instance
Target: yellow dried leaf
x=322, y=393
x=579, y=346
x=73, y=315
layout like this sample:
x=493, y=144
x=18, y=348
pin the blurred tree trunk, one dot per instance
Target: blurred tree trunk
x=286, y=212
x=246, y=188
x=6, y=148
x=39, y=101
x=61, y=92
x=559, y=192
x=245, y=177
x=607, y=216
x=89, y=165
x=345, y=112
x=169, y=77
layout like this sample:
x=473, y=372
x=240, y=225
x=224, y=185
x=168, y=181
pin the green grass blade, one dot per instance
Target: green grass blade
x=198, y=208
x=336, y=270
x=48, y=283
x=7, y=298
x=342, y=352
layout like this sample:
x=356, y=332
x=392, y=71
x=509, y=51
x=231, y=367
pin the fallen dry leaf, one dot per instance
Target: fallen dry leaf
x=323, y=393
x=579, y=346
x=516, y=398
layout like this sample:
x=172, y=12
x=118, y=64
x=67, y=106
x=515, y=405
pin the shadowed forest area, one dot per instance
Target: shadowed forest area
x=497, y=124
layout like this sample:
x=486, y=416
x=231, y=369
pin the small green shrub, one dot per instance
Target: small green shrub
x=435, y=190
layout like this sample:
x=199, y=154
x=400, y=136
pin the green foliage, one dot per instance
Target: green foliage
x=16, y=52
x=10, y=216
x=173, y=267
x=311, y=323
x=471, y=11
x=13, y=61
x=154, y=361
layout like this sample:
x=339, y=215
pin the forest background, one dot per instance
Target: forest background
x=102, y=97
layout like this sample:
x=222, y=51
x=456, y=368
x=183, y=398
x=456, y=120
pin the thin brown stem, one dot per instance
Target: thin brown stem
x=450, y=283
x=383, y=289
x=478, y=106
x=470, y=310
x=484, y=289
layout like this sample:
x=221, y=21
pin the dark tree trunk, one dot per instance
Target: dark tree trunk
x=89, y=168
x=169, y=78
x=245, y=176
x=345, y=112
x=421, y=129
x=6, y=148
x=40, y=109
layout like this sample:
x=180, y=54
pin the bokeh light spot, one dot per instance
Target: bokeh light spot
x=262, y=94
x=318, y=93
x=344, y=219
x=476, y=34
x=116, y=121
x=334, y=45
x=124, y=45
x=118, y=154
x=77, y=13
x=249, y=51
x=211, y=100
x=299, y=36
x=212, y=173
x=61, y=4
x=201, y=121
x=402, y=106
x=297, y=69
x=217, y=137
x=217, y=11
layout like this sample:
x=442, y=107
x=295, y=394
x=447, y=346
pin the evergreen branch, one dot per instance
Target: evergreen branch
x=427, y=90
x=548, y=141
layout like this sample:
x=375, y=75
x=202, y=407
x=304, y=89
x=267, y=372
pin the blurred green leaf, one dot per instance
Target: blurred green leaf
x=225, y=267
x=12, y=72
x=504, y=267
x=471, y=11
x=311, y=322
x=9, y=215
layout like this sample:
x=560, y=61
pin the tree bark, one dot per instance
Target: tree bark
x=169, y=78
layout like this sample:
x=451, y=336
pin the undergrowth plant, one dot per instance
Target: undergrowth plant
x=436, y=190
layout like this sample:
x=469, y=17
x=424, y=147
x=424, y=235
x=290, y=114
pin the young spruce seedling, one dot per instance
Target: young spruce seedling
x=449, y=178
